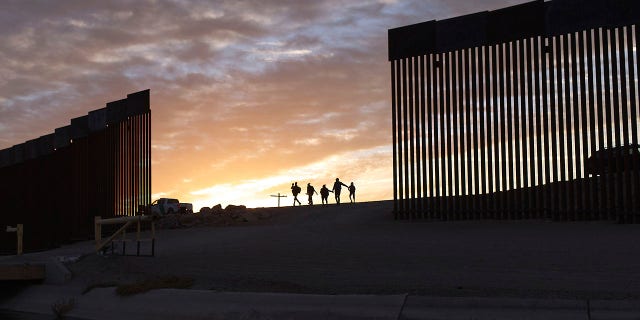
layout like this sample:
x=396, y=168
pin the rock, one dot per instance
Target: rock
x=205, y=210
x=235, y=209
x=235, y=212
x=217, y=209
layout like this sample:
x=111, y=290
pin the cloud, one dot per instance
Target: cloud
x=242, y=92
x=372, y=179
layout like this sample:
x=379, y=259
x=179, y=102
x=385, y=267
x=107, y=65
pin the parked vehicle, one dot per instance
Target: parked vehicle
x=614, y=160
x=164, y=206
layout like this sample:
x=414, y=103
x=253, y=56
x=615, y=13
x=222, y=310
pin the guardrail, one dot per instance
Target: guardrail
x=128, y=221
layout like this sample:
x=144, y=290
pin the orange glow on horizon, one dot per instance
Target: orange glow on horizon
x=372, y=182
x=246, y=98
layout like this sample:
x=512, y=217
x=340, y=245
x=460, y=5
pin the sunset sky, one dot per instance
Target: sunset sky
x=246, y=96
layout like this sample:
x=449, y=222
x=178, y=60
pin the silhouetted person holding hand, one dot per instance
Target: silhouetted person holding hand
x=337, y=186
x=310, y=191
x=324, y=194
x=295, y=190
x=352, y=192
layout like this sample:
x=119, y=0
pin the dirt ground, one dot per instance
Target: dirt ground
x=359, y=248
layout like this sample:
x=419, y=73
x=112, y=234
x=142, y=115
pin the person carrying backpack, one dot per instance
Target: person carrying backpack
x=310, y=191
x=295, y=190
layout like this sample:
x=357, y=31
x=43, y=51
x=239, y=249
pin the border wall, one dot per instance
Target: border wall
x=495, y=115
x=98, y=165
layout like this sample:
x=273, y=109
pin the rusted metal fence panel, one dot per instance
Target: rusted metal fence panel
x=527, y=112
x=99, y=165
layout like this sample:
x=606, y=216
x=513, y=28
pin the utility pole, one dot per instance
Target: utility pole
x=278, y=196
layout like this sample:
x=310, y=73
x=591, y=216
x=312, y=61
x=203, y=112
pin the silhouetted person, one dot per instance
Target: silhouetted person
x=337, y=186
x=310, y=191
x=352, y=192
x=295, y=190
x=324, y=194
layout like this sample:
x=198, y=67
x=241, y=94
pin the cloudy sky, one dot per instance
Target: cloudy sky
x=246, y=96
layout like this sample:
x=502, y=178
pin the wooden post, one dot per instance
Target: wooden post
x=19, y=233
x=278, y=196
x=98, y=231
x=18, y=229
x=124, y=227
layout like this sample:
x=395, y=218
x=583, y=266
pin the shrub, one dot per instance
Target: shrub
x=62, y=307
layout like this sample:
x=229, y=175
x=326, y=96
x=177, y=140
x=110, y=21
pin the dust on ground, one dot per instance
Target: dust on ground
x=361, y=249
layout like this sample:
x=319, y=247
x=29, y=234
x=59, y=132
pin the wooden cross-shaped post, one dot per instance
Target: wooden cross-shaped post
x=279, y=196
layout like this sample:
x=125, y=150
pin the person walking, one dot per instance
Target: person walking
x=352, y=192
x=337, y=186
x=310, y=191
x=295, y=190
x=324, y=194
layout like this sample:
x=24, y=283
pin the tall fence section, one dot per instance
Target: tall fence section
x=99, y=165
x=527, y=112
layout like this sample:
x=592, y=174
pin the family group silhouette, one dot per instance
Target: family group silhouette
x=324, y=192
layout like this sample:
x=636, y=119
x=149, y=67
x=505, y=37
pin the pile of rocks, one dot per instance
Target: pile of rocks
x=215, y=216
x=217, y=209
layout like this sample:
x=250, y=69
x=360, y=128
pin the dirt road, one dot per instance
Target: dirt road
x=360, y=249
